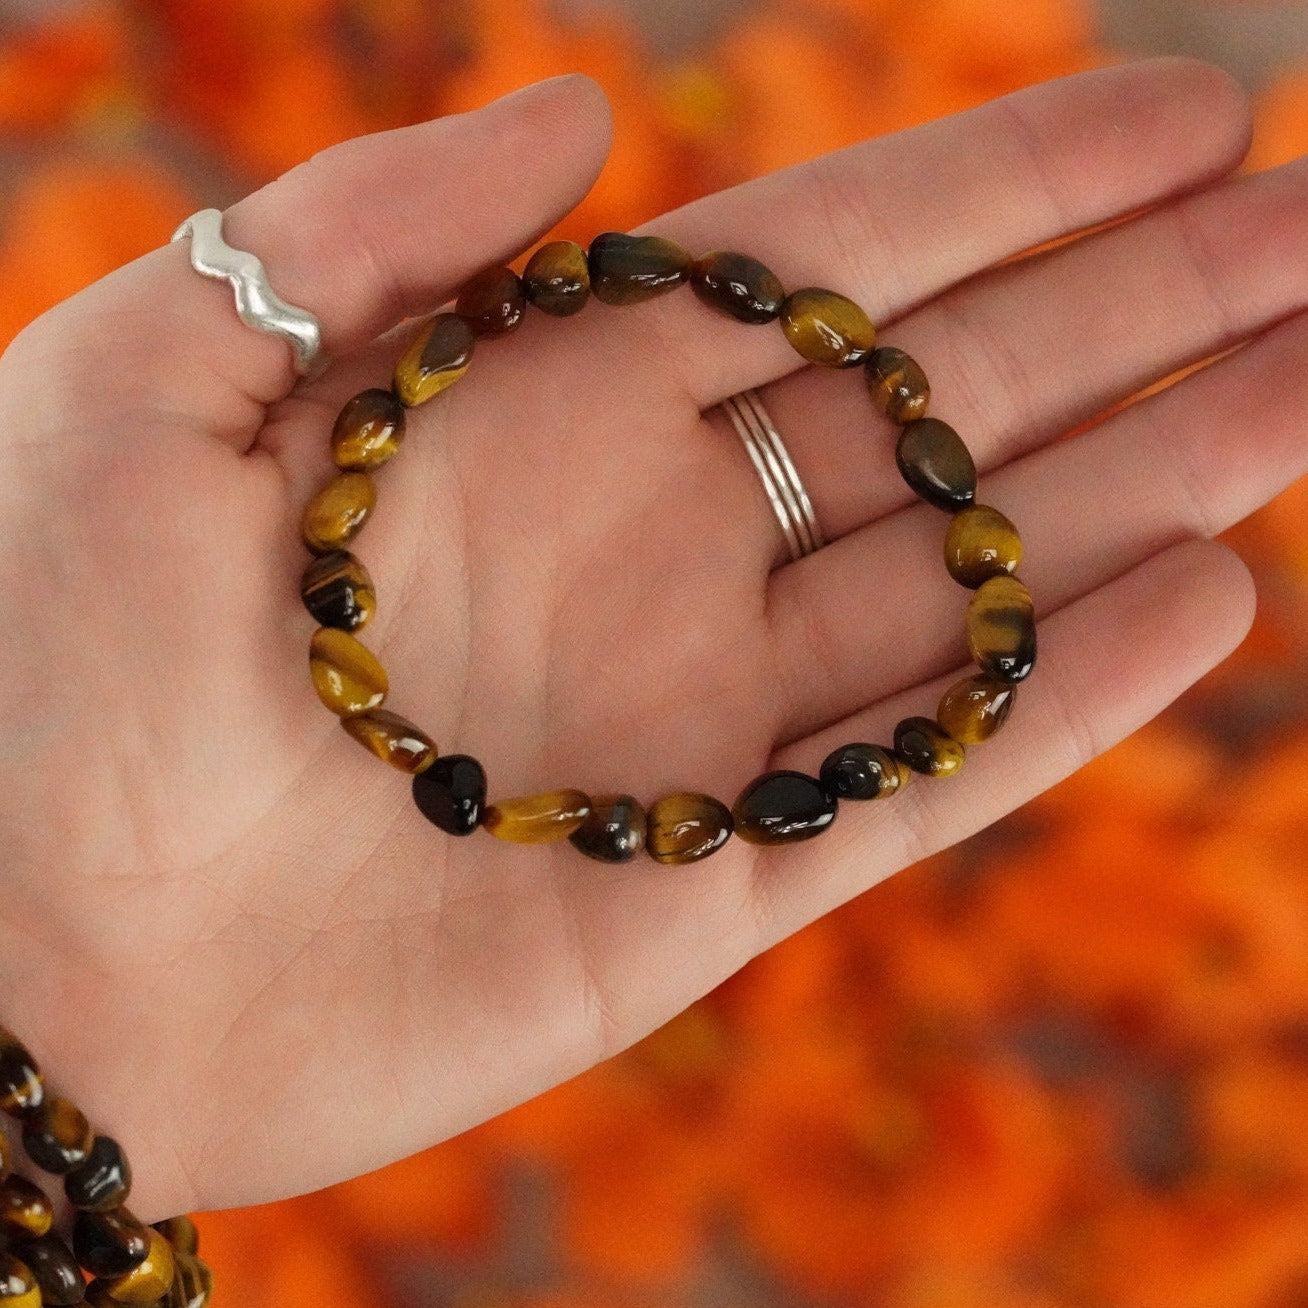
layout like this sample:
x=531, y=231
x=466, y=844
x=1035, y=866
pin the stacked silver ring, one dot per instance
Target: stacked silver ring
x=772, y=461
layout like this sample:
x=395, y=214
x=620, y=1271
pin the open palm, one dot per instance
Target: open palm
x=229, y=934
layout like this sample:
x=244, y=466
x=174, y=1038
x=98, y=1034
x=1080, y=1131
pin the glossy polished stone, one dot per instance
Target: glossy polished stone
x=338, y=591
x=346, y=673
x=18, y=1287
x=536, y=819
x=827, y=328
x=110, y=1244
x=981, y=543
x=21, y=1087
x=452, y=793
x=57, y=1136
x=180, y=1232
x=927, y=749
x=369, y=430
x=493, y=302
x=54, y=1270
x=557, y=278
x=973, y=709
x=150, y=1279
x=104, y=1180
x=627, y=269
x=1001, y=628
x=192, y=1283
x=614, y=829
x=437, y=358
x=936, y=464
x=737, y=285
x=898, y=386
x=860, y=771
x=686, y=827
x=25, y=1208
x=395, y=740
x=335, y=515
x=780, y=808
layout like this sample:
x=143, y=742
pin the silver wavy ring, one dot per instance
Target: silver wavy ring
x=776, y=470
x=257, y=303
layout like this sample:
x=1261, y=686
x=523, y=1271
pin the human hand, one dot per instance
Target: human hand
x=229, y=935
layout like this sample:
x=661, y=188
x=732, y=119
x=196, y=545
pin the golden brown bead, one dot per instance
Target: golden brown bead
x=535, y=819
x=936, y=464
x=57, y=1135
x=981, y=543
x=21, y=1087
x=862, y=771
x=627, y=269
x=826, y=327
x=686, y=827
x=557, y=278
x=780, y=808
x=438, y=357
x=395, y=740
x=614, y=830
x=927, y=749
x=973, y=709
x=333, y=517
x=493, y=302
x=110, y=1244
x=150, y=1279
x=18, y=1288
x=180, y=1232
x=54, y=1269
x=192, y=1283
x=368, y=430
x=737, y=285
x=338, y=591
x=898, y=385
x=25, y=1208
x=1001, y=629
x=346, y=673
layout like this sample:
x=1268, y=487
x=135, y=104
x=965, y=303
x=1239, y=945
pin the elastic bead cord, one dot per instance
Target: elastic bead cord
x=982, y=550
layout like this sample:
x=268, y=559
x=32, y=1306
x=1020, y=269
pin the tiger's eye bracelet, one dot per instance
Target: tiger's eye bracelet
x=981, y=548
x=132, y=1263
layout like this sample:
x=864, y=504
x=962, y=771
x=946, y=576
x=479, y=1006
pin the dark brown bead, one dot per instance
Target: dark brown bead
x=57, y=1136
x=738, y=285
x=25, y=1208
x=861, y=771
x=780, y=808
x=614, y=831
x=927, y=749
x=627, y=269
x=18, y=1287
x=110, y=1244
x=973, y=709
x=21, y=1088
x=452, y=793
x=439, y=356
x=5, y=1160
x=180, y=1232
x=395, y=740
x=333, y=518
x=981, y=543
x=54, y=1269
x=192, y=1283
x=149, y=1280
x=557, y=278
x=493, y=302
x=1001, y=628
x=898, y=385
x=686, y=827
x=535, y=819
x=936, y=463
x=368, y=430
x=104, y=1180
x=338, y=592
x=826, y=327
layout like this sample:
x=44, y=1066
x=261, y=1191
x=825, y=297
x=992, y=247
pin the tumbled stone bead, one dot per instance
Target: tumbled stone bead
x=861, y=771
x=1001, y=628
x=780, y=808
x=368, y=430
x=927, y=749
x=57, y=1136
x=557, y=278
x=103, y=1180
x=54, y=1269
x=897, y=383
x=110, y=1244
x=192, y=1283
x=737, y=285
x=150, y=1279
x=21, y=1088
x=180, y=1232
x=333, y=517
x=18, y=1287
x=627, y=269
x=452, y=793
x=534, y=819
x=395, y=740
x=936, y=464
x=686, y=827
x=973, y=709
x=826, y=327
x=614, y=830
x=338, y=591
x=981, y=543
x=493, y=302
x=438, y=357
x=25, y=1208
x=346, y=673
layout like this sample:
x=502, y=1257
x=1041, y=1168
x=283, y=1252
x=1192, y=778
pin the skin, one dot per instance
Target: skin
x=227, y=932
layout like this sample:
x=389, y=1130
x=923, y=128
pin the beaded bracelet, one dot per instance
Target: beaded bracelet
x=982, y=550
x=132, y=1263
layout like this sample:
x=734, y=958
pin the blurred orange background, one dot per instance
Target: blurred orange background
x=1064, y=1065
